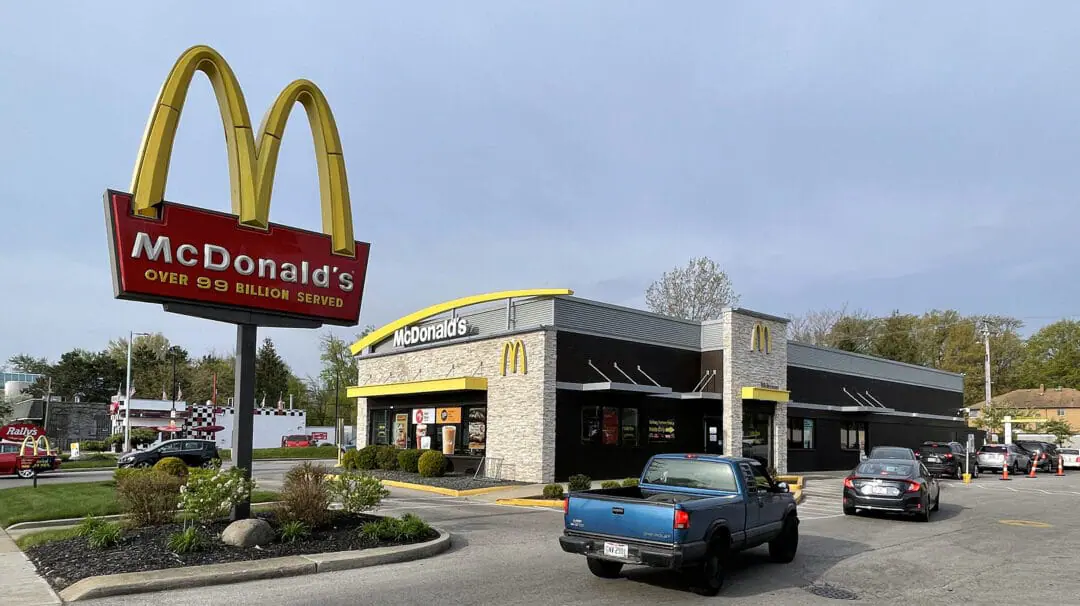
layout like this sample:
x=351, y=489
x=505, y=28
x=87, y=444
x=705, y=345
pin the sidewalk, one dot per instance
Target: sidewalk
x=22, y=585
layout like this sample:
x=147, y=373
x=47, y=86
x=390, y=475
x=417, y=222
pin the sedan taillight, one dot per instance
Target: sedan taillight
x=848, y=483
x=914, y=487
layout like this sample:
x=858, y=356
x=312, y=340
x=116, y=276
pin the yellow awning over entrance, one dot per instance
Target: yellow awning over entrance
x=764, y=393
x=414, y=387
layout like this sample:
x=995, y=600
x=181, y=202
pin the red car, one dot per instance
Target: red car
x=297, y=441
x=10, y=458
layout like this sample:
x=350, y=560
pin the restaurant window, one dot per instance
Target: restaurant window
x=380, y=431
x=590, y=425
x=609, y=426
x=661, y=430
x=629, y=427
x=800, y=433
x=477, y=430
x=852, y=434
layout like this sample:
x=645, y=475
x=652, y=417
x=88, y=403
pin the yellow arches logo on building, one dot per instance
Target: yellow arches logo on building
x=517, y=346
x=252, y=161
x=761, y=339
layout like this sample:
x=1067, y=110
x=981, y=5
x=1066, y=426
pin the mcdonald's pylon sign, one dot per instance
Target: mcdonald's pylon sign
x=510, y=352
x=167, y=252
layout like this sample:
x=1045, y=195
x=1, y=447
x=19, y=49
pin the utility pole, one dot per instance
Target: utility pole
x=986, y=363
x=337, y=431
x=48, y=397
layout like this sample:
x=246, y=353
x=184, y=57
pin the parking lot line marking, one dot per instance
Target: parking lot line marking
x=1025, y=523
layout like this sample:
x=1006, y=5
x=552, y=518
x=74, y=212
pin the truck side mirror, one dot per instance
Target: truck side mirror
x=782, y=487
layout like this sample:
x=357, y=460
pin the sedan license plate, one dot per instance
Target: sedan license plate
x=616, y=550
x=878, y=490
x=933, y=460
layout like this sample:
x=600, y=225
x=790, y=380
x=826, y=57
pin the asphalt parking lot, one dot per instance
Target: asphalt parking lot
x=992, y=542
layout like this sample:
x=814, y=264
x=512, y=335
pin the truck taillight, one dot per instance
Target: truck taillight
x=682, y=519
x=566, y=505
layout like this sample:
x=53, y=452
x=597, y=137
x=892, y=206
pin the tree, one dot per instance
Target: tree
x=271, y=373
x=1053, y=355
x=28, y=364
x=897, y=338
x=815, y=327
x=854, y=334
x=207, y=371
x=992, y=418
x=1060, y=429
x=698, y=291
x=90, y=376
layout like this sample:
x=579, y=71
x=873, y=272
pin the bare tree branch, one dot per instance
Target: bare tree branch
x=698, y=291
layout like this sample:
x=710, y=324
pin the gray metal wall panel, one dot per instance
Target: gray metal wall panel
x=833, y=360
x=712, y=336
x=534, y=312
x=576, y=314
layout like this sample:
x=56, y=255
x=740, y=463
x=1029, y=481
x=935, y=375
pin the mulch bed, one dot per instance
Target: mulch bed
x=452, y=481
x=65, y=562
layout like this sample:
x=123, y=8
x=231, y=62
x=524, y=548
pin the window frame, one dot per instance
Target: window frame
x=852, y=426
x=791, y=444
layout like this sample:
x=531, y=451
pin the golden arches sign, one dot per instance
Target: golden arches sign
x=252, y=161
x=761, y=339
x=516, y=347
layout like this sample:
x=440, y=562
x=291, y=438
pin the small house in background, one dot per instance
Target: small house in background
x=1053, y=403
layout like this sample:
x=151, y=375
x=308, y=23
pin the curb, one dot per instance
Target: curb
x=237, y=572
x=553, y=503
x=79, y=470
x=446, y=491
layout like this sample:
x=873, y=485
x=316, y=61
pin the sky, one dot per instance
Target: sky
x=882, y=156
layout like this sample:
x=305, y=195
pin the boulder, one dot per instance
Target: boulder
x=248, y=533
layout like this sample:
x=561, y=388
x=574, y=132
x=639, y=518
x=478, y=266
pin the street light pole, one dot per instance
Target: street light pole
x=337, y=432
x=127, y=393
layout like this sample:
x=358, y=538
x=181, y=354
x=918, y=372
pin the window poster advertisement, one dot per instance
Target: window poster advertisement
x=610, y=432
x=661, y=430
x=401, y=430
x=477, y=428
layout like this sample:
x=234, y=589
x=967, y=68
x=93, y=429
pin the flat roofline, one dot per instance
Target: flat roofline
x=868, y=357
x=634, y=310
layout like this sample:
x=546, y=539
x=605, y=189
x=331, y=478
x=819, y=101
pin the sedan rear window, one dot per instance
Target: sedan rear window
x=886, y=468
x=691, y=473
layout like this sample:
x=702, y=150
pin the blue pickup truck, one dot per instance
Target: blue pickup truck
x=689, y=512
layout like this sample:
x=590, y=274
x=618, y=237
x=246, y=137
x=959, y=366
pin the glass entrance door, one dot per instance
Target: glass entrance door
x=714, y=436
x=757, y=436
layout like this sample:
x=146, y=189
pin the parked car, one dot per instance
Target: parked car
x=948, y=459
x=893, y=486
x=688, y=513
x=297, y=441
x=998, y=456
x=10, y=461
x=1044, y=453
x=195, y=453
x=1070, y=457
x=892, y=452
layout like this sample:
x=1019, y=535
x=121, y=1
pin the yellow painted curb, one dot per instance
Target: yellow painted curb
x=444, y=491
x=531, y=502
x=797, y=494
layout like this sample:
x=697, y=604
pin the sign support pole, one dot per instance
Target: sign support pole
x=244, y=408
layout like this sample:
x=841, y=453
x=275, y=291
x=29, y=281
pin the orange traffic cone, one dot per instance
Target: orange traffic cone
x=1005, y=469
x=1061, y=467
x=1034, y=462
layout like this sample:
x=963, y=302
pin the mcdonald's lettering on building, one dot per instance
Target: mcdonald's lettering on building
x=167, y=252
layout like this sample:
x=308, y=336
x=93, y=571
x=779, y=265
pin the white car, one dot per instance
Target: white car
x=1070, y=457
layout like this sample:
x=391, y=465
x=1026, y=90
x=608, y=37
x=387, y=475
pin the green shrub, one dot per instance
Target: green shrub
x=173, y=466
x=431, y=464
x=293, y=530
x=88, y=525
x=408, y=528
x=351, y=460
x=553, y=491
x=92, y=446
x=628, y=482
x=141, y=437
x=358, y=492
x=305, y=495
x=386, y=457
x=369, y=457
x=104, y=536
x=579, y=482
x=148, y=496
x=610, y=484
x=186, y=541
x=210, y=494
x=408, y=459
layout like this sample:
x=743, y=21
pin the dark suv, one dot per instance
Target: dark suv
x=196, y=453
x=947, y=459
x=1044, y=452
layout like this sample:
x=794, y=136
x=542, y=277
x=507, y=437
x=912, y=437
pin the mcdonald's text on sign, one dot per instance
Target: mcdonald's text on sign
x=200, y=256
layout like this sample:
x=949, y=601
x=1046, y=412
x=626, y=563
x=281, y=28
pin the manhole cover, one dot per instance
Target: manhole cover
x=835, y=593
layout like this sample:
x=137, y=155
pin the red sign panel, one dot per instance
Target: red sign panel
x=17, y=432
x=318, y=435
x=198, y=256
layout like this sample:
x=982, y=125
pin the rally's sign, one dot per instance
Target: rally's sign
x=17, y=432
x=167, y=252
x=450, y=328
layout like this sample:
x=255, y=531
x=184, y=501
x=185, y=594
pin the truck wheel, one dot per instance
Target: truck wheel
x=710, y=574
x=603, y=568
x=782, y=549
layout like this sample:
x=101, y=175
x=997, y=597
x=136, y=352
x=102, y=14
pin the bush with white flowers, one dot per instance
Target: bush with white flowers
x=211, y=493
x=358, y=492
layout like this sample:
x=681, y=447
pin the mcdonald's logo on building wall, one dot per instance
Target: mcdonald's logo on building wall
x=510, y=352
x=168, y=252
x=761, y=339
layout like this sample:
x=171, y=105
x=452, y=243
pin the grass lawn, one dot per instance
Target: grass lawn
x=88, y=464
x=45, y=536
x=75, y=500
x=318, y=452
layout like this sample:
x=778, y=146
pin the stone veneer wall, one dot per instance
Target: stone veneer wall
x=744, y=367
x=520, y=407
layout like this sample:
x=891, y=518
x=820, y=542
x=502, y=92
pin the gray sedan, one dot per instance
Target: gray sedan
x=996, y=456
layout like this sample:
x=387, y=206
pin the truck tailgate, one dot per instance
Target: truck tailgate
x=632, y=519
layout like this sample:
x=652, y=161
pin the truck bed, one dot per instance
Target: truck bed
x=633, y=513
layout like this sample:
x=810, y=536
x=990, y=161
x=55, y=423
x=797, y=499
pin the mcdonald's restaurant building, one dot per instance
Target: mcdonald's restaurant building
x=540, y=385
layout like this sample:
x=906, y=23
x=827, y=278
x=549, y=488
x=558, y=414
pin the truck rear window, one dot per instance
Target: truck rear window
x=691, y=473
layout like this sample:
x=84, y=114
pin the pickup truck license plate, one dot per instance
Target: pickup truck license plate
x=616, y=550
